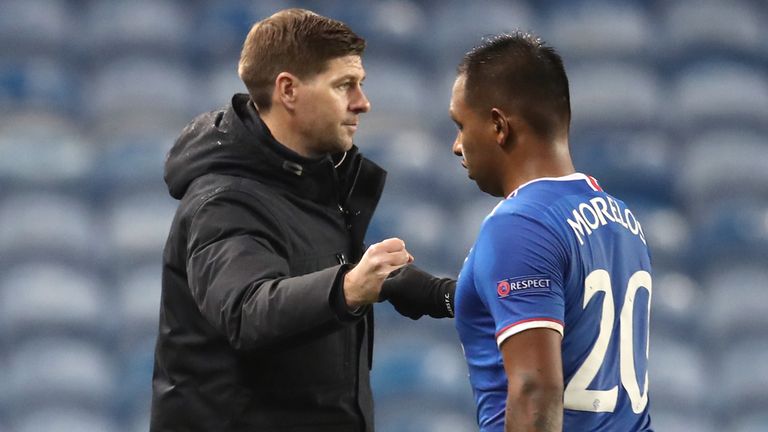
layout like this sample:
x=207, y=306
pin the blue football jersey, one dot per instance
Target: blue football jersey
x=560, y=253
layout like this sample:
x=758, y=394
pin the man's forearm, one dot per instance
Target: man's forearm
x=534, y=410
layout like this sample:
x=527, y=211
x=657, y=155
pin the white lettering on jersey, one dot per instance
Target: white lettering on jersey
x=598, y=212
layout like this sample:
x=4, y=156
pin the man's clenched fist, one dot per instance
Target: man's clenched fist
x=362, y=284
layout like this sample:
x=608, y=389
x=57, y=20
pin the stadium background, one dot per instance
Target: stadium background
x=670, y=104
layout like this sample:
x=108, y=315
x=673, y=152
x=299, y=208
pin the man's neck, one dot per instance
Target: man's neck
x=553, y=162
x=279, y=125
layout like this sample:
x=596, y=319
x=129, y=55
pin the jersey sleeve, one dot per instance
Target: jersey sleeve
x=519, y=274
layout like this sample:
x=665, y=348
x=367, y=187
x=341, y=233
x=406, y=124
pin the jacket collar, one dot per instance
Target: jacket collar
x=313, y=178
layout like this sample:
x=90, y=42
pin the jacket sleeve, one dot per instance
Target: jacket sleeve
x=238, y=274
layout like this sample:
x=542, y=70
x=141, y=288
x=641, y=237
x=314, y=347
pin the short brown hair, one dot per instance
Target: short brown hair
x=298, y=41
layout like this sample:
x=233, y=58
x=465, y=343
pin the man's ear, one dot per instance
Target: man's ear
x=285, y=92
x=502, y=128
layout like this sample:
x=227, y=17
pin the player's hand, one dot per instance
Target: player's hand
x=362, y=284
x=414, y=293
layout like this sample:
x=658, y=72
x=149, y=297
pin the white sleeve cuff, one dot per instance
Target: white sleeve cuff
x=519, y=326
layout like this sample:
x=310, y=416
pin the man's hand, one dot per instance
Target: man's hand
x=362, y=284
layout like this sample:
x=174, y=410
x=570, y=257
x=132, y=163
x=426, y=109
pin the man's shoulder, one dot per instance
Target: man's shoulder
x=217, y=187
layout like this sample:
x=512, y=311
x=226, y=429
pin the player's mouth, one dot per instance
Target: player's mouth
x=464, y=163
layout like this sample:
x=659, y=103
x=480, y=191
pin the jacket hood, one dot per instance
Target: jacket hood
x=234, y=141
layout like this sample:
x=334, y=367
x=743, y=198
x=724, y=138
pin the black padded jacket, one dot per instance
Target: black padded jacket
x=254, y=335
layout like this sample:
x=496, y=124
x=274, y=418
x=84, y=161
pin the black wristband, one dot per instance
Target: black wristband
x=414, y=293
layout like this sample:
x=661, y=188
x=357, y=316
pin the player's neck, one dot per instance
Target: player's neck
x=554, y=161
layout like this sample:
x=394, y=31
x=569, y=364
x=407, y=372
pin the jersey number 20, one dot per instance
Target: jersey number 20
x=577, y=396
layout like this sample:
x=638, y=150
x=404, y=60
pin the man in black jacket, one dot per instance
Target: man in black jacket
x=264, y=323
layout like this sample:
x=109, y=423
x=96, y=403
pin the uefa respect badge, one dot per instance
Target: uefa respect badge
x=534, y=283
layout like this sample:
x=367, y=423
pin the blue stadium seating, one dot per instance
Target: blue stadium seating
x=673, y=420
x=113, y=28
x=677, y=303
x=670, y=101
x=141, y=89
x=744, y=376
x=137, y=227
x=457, y=27
x=601, y=29
x=65, y=419
x=405, y=366
x=722, y=164
x=50, y=298
x=627, y=161
x=42, y=82
x=139, y=301
x=40, y=224
x=714, y=93
x=674, y=387
x=47, y=370
x=24, y=27
x=614, y=94
x=735, y=300
x=43, y=149
x=754, y=422
x=695, y=28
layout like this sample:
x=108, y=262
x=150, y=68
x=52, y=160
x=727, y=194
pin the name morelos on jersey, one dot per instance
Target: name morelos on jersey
x=560, y=253
x=597, y=212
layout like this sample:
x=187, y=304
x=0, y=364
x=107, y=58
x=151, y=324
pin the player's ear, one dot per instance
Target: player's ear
x=286, y=85
x=502, y=128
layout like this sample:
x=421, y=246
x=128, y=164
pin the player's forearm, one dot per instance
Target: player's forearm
x=534, y=408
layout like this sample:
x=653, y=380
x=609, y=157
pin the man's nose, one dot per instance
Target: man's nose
x=457, y=150
x=360, y=104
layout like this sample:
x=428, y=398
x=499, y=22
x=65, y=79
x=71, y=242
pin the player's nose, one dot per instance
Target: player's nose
x=457, y=149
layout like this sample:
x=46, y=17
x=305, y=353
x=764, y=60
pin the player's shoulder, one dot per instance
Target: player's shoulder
x=514, y=219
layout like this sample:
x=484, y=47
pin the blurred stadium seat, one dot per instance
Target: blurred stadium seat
x=41, y=82
x=714, y=93
x=601, y=29
x=457, y=27
x=137, y=226
x=670, y=101
x=627, y=161
x=139, y=301
x=48, y=225
x=675, y=388
x=40, y=298
x=720, y=164
x=677, y=303
x=728, y=315
x=118, y=27
x=672, y=420
x=693, y=28
x=22, y=25
x=43, y=149
x=754, y=422
x=150, y=90
x=744, y=378
x=48, y=370
x=614, y=94
x=64, y=419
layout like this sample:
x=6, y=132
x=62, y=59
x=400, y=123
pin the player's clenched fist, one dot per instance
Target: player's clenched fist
x=362, y=284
